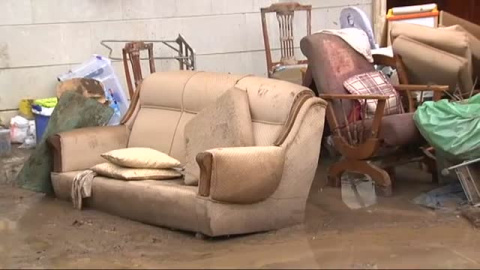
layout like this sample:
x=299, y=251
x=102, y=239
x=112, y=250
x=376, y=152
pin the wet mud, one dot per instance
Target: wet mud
x=43, y=232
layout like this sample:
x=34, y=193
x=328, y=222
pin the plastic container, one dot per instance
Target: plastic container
x=100, y=68
x=358, y=190
x=5, y=143
x=41, y=123
x=42, y=116
x=25, y=108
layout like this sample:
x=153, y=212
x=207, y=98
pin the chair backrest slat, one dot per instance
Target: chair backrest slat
x=285, y=18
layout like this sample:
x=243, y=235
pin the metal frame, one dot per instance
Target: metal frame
x=469, y=175
x=186, y=54
x=131, y=53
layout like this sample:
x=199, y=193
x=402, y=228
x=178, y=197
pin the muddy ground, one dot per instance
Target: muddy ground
x=42, y=232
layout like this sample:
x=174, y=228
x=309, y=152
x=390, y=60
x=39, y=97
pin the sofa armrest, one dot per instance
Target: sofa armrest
x=242, y=175
x=80, y=149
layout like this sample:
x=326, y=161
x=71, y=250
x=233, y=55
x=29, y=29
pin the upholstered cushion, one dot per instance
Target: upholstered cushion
x=448, y=19
x=453, y=41
x=332, y=61
x=225, y=123
x=374, y=83
x=428, y=65
x=399, y=130
x=474, y=43
x=141, y=157
x=395, y=130
x=116, y=172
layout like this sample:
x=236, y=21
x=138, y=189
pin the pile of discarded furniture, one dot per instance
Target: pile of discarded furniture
x=222, y=154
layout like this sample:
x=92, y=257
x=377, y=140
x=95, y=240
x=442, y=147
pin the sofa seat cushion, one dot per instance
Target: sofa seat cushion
x=395, y=130
x=399, y=130
x=169, y=203
x=225, y=123
x=141, y=157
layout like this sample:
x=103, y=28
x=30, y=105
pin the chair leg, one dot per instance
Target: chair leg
x=391, y=173
x=381, y=177
x=432, y=168
x=335, y=172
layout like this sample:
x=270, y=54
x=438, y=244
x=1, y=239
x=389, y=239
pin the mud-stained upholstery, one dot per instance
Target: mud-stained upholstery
x=450, y=21
x=225, y=123
x=285, y=116
x=332, y=61
x=231, y=182
x=395, y=130
x=435, y=55
x=111, y=170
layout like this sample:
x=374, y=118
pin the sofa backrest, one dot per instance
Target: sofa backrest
x=168, y=100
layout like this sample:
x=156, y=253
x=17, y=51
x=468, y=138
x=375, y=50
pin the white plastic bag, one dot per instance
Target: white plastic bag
x=18, y=129
x=31, y=139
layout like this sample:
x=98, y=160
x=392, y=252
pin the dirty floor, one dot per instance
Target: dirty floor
x=42, y=232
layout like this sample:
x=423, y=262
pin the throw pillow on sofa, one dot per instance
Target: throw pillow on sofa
x=111, y=170
x=374, y=83
x=141, y=157
x=225, y=123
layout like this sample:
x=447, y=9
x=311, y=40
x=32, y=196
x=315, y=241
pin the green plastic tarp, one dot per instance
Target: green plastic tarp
x=73, y=111
x=451, y=127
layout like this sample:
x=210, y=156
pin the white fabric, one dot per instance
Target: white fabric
x=82, y=187
x=356, y=38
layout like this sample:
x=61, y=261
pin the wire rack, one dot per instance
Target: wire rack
x=185, y=54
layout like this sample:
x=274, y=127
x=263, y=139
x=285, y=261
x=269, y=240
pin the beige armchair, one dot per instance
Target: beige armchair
x=241, y=190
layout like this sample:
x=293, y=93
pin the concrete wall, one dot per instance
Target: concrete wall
x=40, y=39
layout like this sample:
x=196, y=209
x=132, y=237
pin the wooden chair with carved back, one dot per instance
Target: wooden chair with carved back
x=288, y=67
x=131, y=53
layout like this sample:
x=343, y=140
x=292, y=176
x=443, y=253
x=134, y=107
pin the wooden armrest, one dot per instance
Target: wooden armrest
x=347, y=96
x=421, y=88
x=438, y=91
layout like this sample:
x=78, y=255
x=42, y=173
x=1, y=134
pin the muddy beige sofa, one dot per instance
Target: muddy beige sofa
x=284, y=116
